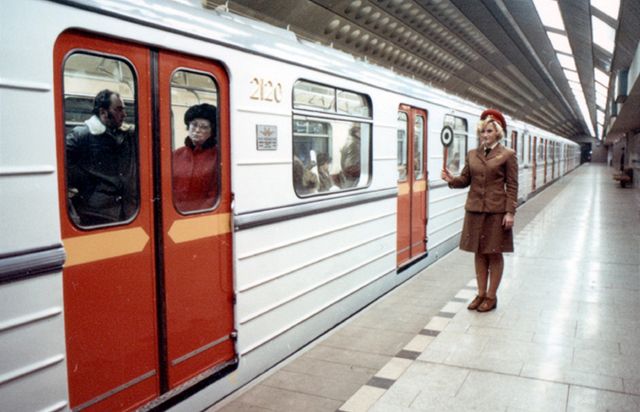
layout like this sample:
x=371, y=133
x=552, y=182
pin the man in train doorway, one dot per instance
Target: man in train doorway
x=102, y=174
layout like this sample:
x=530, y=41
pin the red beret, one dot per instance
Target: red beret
x=495, y=115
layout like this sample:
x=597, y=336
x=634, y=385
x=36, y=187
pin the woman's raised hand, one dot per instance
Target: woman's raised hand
x=446, y=175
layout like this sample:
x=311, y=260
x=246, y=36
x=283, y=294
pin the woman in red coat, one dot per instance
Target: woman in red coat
x=195, y=165
x=491, y=171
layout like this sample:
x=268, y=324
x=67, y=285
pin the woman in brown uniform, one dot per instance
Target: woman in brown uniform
x=492, y=172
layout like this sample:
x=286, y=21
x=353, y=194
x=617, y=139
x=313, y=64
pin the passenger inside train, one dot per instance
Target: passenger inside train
x=101, y=165
x=350, y=159
x=195, y=177
x=325, y=181
x=304, y=180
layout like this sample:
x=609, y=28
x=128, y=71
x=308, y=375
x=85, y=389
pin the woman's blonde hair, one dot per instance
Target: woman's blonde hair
x=483, y=123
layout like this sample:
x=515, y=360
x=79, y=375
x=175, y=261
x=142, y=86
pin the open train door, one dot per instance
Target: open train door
x=412, y=185
x=148, y=290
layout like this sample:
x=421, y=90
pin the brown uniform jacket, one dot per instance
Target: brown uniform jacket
x=493, y=180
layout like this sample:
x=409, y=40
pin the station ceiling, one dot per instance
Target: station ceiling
x=494, y=52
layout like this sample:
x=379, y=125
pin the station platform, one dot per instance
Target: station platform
x=564, y=337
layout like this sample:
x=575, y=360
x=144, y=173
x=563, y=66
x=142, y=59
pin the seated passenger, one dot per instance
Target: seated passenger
x=101, y=160
x=304, y=180
x=195, y=165
x=325, y=181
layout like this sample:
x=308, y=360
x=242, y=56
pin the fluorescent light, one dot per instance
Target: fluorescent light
x=601, y=77
x=560, y=42
x=582, y=104
x=571, y=75
x=567, y=61
x=603, y=34
x=549, y=13
x=609, y=7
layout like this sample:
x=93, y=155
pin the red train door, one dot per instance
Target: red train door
x=534, y=164
x=553, y=160
x=545, y=146
x=109, y=280
x=197, y=238
x=412, y=184
x=147, y=289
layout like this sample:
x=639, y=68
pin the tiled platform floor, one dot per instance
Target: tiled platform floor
x=565, y=335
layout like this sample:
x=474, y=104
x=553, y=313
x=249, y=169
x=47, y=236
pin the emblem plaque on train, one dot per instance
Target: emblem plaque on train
x=266, y=137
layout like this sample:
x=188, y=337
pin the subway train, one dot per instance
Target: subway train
x=327, y=195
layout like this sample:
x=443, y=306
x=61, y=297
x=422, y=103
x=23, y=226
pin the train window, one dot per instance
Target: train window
x=195, y=158
x=521, y=146
x=418, y=145
x=101, y=144
x=458, y=148
x=514, y=141
x=507, y=139
x=353, y=103
x=314, y=96
x=331, y=153
x=403, y=126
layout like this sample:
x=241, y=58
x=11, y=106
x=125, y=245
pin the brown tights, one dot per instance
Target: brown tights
x=489, y=269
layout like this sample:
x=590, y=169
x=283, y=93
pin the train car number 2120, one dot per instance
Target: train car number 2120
x=266, y=90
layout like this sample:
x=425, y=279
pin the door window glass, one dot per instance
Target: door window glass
x=418, y=148
x=403, y=125
x=101, y=143
x=195, y=156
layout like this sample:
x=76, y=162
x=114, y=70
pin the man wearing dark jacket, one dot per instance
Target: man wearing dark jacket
x=102, y=173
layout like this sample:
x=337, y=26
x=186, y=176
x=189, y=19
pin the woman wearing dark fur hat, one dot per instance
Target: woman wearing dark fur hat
x=195, y=165
x=491, y=171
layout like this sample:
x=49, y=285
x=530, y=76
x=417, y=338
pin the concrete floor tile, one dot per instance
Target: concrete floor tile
x=283, y=400
x=419, y=343
x=588, y=400
x=330, y=388
x=240, y=407
x=631, y=385
x=384, y=342
x=394, y=368
x=506, y=391
x=437, y=323
x=348, y=356
x=381, y=406
x=327, y=368
x=362, y=400
x=565, y=373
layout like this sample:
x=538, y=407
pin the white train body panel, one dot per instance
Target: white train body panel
x=294, y=277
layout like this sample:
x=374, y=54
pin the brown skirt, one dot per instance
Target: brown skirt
x=483, y=233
